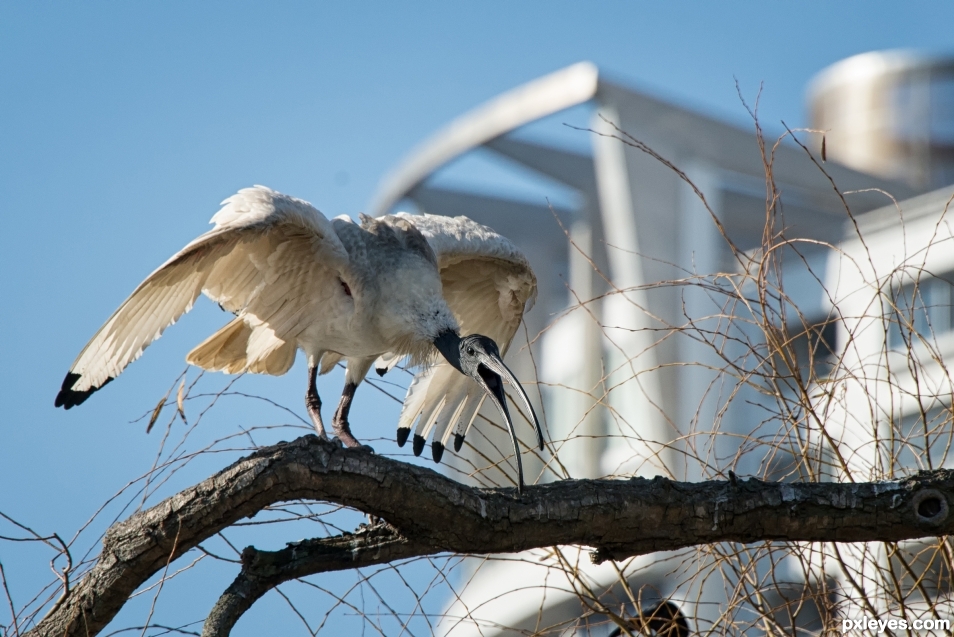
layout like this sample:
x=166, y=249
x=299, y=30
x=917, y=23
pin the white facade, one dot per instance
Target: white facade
x=892, y=281
x=622, y=391
x=889, y=397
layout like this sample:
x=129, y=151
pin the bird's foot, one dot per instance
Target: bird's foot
x=346, y=439
x=357, y=446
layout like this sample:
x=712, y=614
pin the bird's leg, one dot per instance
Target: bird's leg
x=340, y=422
x=313, y=402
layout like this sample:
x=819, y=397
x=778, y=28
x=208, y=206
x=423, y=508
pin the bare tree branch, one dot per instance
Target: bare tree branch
x=264, y=570
x=620, y=518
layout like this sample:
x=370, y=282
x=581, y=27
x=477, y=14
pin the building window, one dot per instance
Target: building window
x=923, y=441
x=922, y=311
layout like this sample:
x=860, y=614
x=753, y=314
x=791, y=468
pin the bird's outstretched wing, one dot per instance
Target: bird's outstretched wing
x=270, y=259
x=488, y=285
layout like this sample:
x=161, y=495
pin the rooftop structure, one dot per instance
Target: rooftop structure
x=889, y=113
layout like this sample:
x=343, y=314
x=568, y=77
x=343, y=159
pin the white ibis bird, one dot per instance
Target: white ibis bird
x=393, y=287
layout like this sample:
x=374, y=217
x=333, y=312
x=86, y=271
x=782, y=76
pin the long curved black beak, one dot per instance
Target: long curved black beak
x=482, y=362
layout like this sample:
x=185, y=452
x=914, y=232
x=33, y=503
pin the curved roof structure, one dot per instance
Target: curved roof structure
x=547, y=95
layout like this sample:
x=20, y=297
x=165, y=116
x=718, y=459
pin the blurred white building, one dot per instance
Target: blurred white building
x=892, y=280
x=892, y=284
x=889, y=414
x=617, y=393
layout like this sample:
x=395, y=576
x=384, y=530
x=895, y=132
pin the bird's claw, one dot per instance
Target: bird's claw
x=357, y=446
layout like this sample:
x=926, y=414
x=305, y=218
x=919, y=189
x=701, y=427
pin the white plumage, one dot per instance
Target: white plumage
x=382, y=290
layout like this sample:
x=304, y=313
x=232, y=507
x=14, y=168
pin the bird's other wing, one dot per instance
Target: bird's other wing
x=267, y=259
x=488, y=284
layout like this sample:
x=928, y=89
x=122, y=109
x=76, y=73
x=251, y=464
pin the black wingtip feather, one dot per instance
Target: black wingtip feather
x=381, y=370
x=402, y=434
x=458, y=441
x=437, y=451
x=68, y=398
x=418, y=444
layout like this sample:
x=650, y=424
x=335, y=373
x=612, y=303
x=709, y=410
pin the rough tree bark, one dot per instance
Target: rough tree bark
x=428, y=513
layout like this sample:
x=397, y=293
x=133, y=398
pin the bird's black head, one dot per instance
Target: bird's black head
x=479, y=358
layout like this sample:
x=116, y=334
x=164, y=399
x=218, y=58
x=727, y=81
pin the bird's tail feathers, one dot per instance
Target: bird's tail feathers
x=387, y=362
x=413, y=404
x=224, y=351
x=276, y=362
x=239, y=347
x=468, y=415
x=328, y=361
x=266, y=352
x=441, y=400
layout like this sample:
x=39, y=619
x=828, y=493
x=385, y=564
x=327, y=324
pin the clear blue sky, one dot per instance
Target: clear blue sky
x=122, y=126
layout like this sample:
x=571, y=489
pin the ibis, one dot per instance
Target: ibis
x=445, y=294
